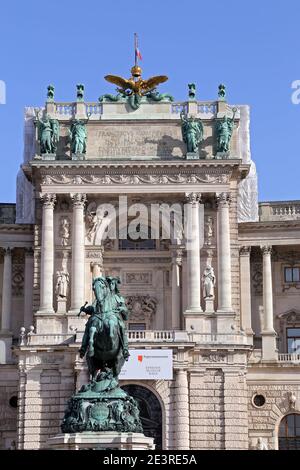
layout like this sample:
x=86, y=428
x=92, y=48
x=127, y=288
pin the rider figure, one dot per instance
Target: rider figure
x=94, y=313
x=121, y=311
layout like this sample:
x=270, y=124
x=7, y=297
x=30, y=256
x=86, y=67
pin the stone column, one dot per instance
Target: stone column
x=176, y=287
x=181, y=411
x=47, y=254
x=245, y=281
x=269, y=351
x=6, y=292
x=224, y=259
x=28, y=290
x=78, y=253
x=193, y=252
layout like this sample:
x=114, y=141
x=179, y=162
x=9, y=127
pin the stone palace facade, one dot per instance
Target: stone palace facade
x=236, y=352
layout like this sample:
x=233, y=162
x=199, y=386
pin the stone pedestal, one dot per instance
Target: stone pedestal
x=100, y=440
x=48, y=156
x=222, y=155
x=209, y=305
x=192, y=156
x=61, y=305
x=78, y=156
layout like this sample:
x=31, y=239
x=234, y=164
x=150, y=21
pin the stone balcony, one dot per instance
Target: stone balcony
x=95, y=110
x=139, y=336
x=279, y=210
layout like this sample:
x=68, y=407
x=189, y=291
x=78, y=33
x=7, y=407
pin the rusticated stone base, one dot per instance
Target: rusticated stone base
x=100, y=441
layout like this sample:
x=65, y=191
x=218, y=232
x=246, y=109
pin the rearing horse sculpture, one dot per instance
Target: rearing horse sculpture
x=105, y=341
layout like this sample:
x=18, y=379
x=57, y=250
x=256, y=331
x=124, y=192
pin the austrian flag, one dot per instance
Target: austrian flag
x=138, y=55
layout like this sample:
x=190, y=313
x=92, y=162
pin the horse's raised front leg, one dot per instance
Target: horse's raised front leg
x=91, y=341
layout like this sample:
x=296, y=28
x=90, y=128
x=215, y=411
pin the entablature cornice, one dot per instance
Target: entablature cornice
x=274, y=233
x=176, y=176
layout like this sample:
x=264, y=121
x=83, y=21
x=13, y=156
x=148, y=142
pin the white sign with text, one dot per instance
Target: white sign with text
x=145, y=364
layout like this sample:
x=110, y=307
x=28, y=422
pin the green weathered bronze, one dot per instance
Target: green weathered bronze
x=224, y=129
x=48, y=134
x=78, y=136
x=154, y=95
x=80, y=92
x=192, y=132
x=222, y=92
x=101, y=405
x=112, y=98
x=192, y=91
x=134, y=100
x=50, y=93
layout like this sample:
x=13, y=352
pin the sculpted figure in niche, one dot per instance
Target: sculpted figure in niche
x=64, y=231
x=62, y=282
x=208, y=229
x=208, y=282
x=292, y=400
x=261, y=445
x=91, y=222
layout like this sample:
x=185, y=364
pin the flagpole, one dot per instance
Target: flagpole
x=135, y=48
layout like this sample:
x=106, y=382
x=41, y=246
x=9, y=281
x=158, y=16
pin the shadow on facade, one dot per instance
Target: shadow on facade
x=150, y=412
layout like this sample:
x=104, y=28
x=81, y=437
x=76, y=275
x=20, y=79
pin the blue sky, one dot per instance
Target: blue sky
x=252, y=47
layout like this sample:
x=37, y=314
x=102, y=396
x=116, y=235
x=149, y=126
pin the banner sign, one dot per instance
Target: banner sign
x=148, y=364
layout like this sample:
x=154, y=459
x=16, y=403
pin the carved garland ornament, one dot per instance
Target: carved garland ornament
x=136, y=179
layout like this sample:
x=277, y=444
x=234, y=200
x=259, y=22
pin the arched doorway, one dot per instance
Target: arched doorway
x=289, y=432
x=150, y=411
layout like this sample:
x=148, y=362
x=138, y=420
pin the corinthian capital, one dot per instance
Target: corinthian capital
x=245, y=250
x=177, y=253
x=266, y=249
x=48, y=199
x=193, y=197
x=78, y=199
x=223, y=199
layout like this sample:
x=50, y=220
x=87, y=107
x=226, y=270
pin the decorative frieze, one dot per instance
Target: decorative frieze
x=214, y=357
x=95, y=254
x=141, y=278
x=162, y=179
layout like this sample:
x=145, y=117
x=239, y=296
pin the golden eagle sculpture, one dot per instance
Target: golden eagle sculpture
x=135, y=84
x=135, y=89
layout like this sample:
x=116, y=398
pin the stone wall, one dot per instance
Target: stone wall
x=8, y=413
x=47, y=381
x=264, y=421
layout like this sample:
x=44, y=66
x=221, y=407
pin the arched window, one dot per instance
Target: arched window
x=150, y=412
x=142, y=242
x=289, y=433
